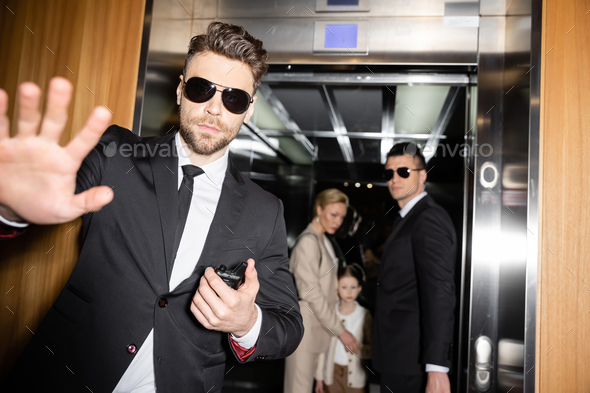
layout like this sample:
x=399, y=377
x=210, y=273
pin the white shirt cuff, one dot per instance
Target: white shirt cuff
x=13, y=223
x=438, y=369
x=249, y=339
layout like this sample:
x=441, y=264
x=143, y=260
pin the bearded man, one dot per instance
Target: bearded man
x=143, y=310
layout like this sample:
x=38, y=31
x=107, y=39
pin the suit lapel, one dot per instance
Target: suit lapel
x=164, y=169
x=225, y=222
x=413, y=212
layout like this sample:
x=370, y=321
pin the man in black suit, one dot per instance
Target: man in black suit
x=142, y=310
x=413, y=328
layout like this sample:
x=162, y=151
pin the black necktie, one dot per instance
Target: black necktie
x=396, y=220
x=185, y=194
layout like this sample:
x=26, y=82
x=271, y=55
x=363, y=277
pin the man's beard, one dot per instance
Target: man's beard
x=204, y=143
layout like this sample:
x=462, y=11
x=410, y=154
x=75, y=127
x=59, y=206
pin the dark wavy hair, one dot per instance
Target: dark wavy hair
x=233, y=42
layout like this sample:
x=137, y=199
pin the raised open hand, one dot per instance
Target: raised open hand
x=37, y=175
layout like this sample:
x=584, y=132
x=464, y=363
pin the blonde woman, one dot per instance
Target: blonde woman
x=314, y=266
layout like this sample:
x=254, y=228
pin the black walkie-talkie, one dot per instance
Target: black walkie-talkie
x=233, y=278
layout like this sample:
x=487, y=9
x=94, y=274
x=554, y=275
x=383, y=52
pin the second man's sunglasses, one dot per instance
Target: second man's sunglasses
x=403, y=172
x=201, y=90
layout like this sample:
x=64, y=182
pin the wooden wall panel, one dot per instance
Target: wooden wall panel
x=563, y=318
x=96, y=45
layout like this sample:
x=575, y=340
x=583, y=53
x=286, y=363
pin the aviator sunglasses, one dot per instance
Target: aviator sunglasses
x=403, y=172
x=201, y=90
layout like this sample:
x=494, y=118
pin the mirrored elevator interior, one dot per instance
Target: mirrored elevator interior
x=453, y=77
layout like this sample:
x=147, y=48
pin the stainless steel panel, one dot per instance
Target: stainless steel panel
x=354, y=135
x=463, y=344
x=492, y=7
x=395, y=40
x=170, y=23
x=199, y=26
x=500, y=227
x=505, y=7
x=532, y=201
x=370, y=79
x=459, y=8
x=170, y=36
x=205, y=9
x=322, y=5
x=173, y=9
x=307, y=8
x=520, y=7
x=143, y=66
x=487, y=231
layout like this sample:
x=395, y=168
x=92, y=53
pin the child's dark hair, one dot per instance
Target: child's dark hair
x=353, y=270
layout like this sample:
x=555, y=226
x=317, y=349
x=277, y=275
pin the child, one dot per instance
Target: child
x=339, y=370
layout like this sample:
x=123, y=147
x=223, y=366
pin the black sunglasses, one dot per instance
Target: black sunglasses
x=201, y=90
x=403, y=172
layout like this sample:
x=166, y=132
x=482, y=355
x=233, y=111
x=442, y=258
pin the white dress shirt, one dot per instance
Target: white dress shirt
x=139, y=377
x=13, y=223
x=403, y=212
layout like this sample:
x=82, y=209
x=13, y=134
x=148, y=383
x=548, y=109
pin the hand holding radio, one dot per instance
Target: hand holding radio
x=233, y=278
x=225, y=302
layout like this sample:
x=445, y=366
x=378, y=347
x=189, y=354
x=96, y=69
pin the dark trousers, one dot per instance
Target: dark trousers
x=392, y=383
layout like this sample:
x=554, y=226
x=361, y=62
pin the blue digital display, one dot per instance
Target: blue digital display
x=343, y=2
x=341, y=36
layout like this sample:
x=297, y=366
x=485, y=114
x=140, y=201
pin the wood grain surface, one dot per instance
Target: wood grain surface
x=96, y=45
x=563, y=318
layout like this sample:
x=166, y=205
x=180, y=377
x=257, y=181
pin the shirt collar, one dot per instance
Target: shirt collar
x=406, y=209
x=215, y=171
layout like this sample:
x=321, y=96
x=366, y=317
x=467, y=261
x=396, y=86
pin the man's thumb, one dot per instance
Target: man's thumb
x=251, y=276
x=251, y=273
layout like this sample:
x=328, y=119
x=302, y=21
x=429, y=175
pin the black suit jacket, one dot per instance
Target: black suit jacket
x=112, y=298
x=416, y=293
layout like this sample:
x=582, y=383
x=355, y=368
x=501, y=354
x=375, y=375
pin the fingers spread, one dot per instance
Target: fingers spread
x=4, y=122
x=29, y=96
x=56, y=112
x=88, y=137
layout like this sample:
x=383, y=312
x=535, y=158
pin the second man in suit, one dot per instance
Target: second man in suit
x=415, y=303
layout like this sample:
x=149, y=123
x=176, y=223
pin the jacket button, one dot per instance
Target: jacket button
x=378, y=283
x=131, y=348
x=163, y=302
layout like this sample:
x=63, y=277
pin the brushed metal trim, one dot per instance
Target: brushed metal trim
x=530, y=324
x=143, y=66
x=370, y=79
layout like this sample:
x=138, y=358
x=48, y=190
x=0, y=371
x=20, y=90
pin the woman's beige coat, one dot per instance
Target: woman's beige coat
x=356, y=370
x=318, y=290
